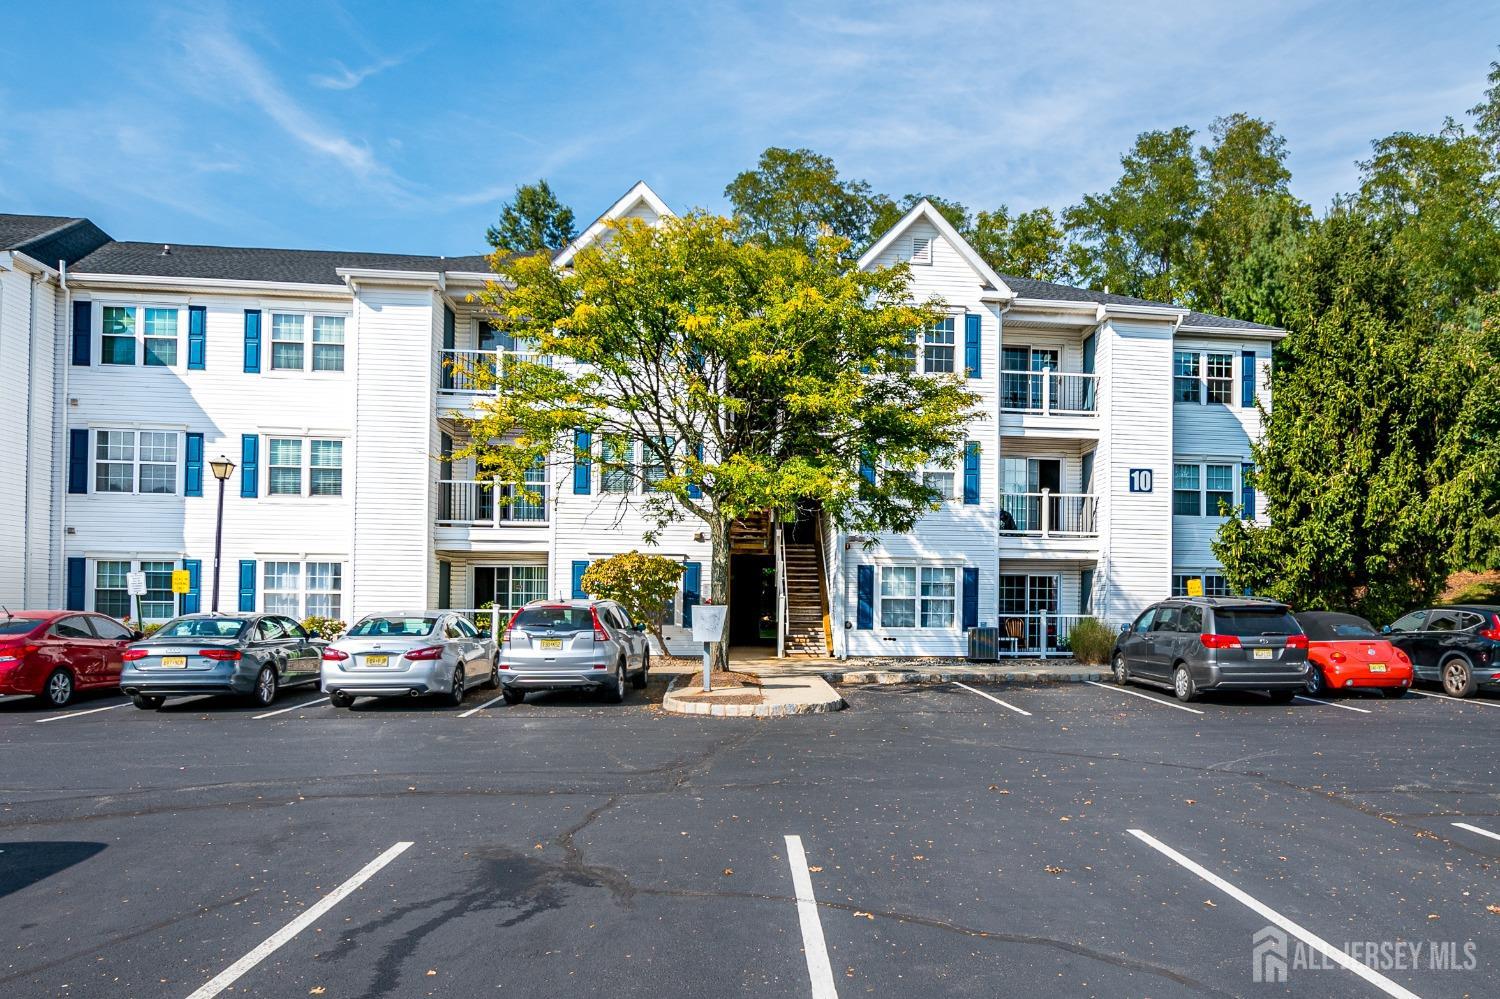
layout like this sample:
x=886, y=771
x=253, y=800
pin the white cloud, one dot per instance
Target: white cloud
x=345, y=78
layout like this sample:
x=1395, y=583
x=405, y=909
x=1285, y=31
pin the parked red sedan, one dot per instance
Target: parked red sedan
x=1346, y=652
x=56, y=654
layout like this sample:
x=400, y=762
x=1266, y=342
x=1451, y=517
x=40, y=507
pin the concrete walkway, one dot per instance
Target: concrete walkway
x=775, y=697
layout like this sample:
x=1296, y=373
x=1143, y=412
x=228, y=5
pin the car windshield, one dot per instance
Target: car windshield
x=1255, y=621
x=18, y=625
x=201, y=627
x=399, y=627
x=1336, y=627
x=555, y=618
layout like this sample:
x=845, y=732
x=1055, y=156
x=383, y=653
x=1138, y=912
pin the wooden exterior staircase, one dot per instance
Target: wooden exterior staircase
x=806, y=601
x=751, y=535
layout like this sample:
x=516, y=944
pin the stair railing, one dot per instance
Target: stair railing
x=782, y=615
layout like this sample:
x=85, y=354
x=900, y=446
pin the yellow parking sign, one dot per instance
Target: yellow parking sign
x=1195, y=586
x=181, y=581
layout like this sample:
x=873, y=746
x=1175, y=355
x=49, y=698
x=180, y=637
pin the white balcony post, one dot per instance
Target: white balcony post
x=1042, y=618
x=1047, y=392
x=495, y=518
x=1046, y=513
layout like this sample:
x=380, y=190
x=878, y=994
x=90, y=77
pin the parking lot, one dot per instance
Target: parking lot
x=947, y=840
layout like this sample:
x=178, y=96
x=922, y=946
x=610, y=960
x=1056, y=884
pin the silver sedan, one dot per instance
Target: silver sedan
x=408, y=654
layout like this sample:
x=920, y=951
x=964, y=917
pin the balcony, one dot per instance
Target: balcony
x=1051, y=524
x=468, y=372
x=484, y=516
x=1065, y=403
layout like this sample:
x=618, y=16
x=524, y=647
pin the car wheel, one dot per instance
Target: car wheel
x=639, y=680
x=1281, y=696
x=59, y=690
x=513, y=695
x=494, y=680
x=1394, y=693
x=265, y=686
x=1458, y=678
x=341, y=700
x=615, y=692
x=456, y=686
x=1182, y=683
x=146, y=702
x=1317, y=683
x=1121, y=671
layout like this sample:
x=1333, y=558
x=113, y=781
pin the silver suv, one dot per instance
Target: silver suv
x=1193, y=644
x=554, y=644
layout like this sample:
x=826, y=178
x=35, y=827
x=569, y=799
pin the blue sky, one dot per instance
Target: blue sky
x=401, y=127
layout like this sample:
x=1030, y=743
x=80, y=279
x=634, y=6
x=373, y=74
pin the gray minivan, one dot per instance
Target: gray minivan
x=557, y=644
x=1193, y=644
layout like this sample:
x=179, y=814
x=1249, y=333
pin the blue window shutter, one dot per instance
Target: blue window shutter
x=252, y=341
x=583, y=467
x=971, y=473
x=445, y=585
x=695, y=491
x=450, y=329
x=249, y=466
x=971, y=597
x=1247, y=379
x=192, y=479
x=83, y=338
x=190, y=602
x=1247, y=491
x=247, y=585
x=78, y=465
x=197, y=337
x=864, y=616
x=692, y=584
x=76, y=569
x=971, y=344
x=867, y=470
x=1089, y=350
x=579, y=568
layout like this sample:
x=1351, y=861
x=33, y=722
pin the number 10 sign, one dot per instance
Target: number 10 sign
x=1140, y=480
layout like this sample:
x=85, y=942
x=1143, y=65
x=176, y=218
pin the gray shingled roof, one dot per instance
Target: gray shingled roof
x=236, y=263
x=16, y=230
x=1051, y=290
x=50, y=238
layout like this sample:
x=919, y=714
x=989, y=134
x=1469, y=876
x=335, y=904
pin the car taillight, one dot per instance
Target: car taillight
x=1403, y=657
x=1493, y=631
x=600, y=635
x=220, y=655
x=1296, y=641
x=1220, y=641
x=509, y=627
x=17, y=652
x=430, y=652
x=131, y=655
x=334, y=655
x=1335, y=655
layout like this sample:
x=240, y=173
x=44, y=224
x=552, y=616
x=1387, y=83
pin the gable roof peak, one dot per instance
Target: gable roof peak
x=640, y=193
x=925, y=210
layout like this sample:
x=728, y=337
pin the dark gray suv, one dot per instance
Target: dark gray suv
x=1193, y=644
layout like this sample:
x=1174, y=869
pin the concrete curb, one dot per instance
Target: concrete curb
x=819, y=703
x=892, y=677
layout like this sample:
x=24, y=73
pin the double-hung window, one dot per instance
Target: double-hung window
x=940, y=480
x=1201, y=490
x=303, y=589
x=297, y=467
x=117, y=335
x=328, y=343
x=290, y=333
x=112, y=594
x=135, y=461
x=939, y=596
x=146, y=335
x=1220, y=370
x=653, y=467
x=285, y=467
x=1214, y=585
x=937, y=348
x=1187, y=501
x=898, y=596
x=1186, y=386
x=160, y=349
x=918, y=596
x=288, y=341
x=615, y=453
x=1218, y=482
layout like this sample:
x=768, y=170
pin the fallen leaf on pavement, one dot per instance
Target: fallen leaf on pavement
x=1054, y=869
x=814, y=869
x=316, y=990
x=728, y=871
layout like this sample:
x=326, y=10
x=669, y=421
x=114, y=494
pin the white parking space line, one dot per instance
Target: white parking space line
x=1308, y=937
x=1460, y=700
x=1477, y=830
x=991, y=698
x=76, y=714
x=1332, y=704
x=813, y=944
x=493, y=700
x=294, y=707
x=275, y=941
x=1145, y=697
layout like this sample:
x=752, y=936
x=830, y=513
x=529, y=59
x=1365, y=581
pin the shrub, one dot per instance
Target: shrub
x=643, y=584
x=152, y=628
x=1091, y=640
x=324, y=627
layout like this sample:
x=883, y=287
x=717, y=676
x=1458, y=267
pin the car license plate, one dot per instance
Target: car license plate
x=551, y=643
x=174, y=662
x=377, y=660
x=1377, y=667
x=1264, y=653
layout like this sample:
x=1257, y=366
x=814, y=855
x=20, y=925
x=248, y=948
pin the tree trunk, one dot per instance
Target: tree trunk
x=718, y=587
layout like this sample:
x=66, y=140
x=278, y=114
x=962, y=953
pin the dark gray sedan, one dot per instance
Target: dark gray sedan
x=252, y=655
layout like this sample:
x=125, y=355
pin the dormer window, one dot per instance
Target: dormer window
x=921, y=250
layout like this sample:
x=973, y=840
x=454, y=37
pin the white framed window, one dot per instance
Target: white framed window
x=652, y=468
x=135, y=461
x=616, y=455
x=898, y=596
x=1214, y=584
x=508, y=587
x=921, y=250
x=112, y=596
x=301, y=590
x=1219, y=370
x=939, y=596
x=1199, y=489
x=288, y=341
x=937, y=347
x=328, y=343
x=291, y=333
x=918, y=596
x=297, y=466
x=942, y=480
x=1203, y=377
x=148, y=335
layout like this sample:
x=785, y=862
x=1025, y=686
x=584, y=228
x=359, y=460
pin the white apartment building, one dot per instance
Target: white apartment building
x=1111, y=430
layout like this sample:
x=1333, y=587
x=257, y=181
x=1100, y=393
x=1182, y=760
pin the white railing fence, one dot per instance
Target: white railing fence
x=1049, y=392
x=463, y=502
x=489, y=620
x=1047, y=514
x=474, y=370
x=1036, y=634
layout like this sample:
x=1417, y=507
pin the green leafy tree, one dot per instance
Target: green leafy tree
x=643, y=584
x=534, y=219
x=793, y=196
x=1031, y=245
x=752, y=377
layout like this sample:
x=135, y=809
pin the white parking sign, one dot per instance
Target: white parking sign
x=135, y=584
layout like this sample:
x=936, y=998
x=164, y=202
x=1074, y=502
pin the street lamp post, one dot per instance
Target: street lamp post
x=223, y=469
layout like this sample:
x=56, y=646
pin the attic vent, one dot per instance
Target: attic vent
x=166, y=250
x=921, y=250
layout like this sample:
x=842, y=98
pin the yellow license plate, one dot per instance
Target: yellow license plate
x=551, y=643
x=1264, y=653
x=377, y=660
x=174, y=662
x=1377, y=667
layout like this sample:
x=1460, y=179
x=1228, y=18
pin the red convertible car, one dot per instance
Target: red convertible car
x=1346, y=652
x=57, y=654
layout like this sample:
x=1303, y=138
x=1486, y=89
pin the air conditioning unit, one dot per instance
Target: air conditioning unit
x=984, y=645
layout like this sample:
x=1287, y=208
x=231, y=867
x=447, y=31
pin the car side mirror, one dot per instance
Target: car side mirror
x=1385, y=629
x=640, y=626
x=1124, y=627
x=136, y=636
